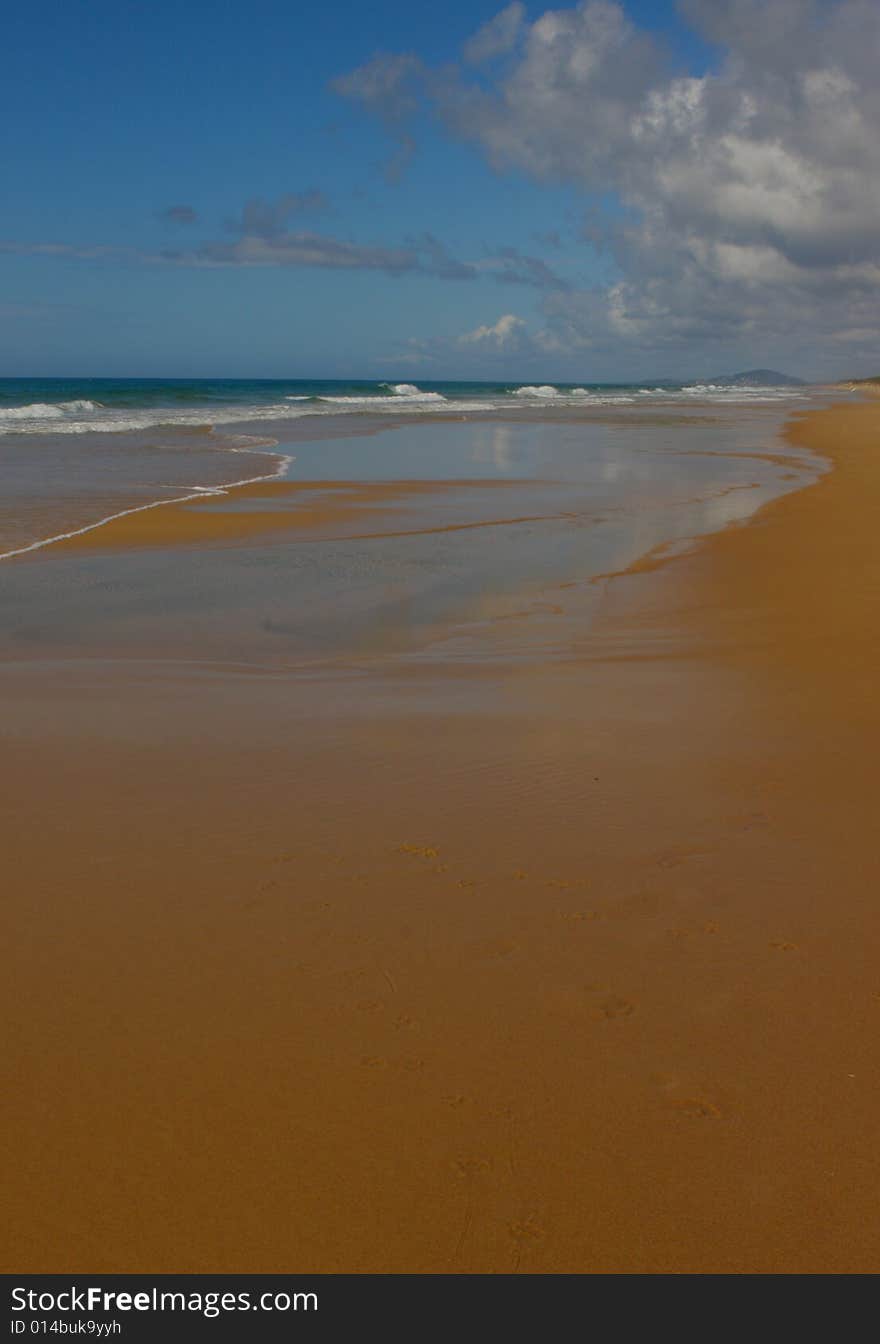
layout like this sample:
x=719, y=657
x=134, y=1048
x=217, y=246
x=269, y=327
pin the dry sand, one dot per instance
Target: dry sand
x=579, y=976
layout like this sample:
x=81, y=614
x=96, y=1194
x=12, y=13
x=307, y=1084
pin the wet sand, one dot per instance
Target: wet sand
x=273, y=508
x=566, y=969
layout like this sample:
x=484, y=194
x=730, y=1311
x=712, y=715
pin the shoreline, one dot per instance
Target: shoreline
x=356, y=425
x=569, y=970
x=343, y=427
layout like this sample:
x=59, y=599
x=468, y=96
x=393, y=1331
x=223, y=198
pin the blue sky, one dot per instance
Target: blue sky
x=115, y=113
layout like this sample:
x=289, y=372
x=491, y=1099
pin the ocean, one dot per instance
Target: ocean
x=115, y=405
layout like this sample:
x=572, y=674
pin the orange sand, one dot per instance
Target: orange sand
x=583, y=979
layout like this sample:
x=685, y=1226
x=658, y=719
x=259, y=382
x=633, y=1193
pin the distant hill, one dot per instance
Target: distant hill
x=757, y=378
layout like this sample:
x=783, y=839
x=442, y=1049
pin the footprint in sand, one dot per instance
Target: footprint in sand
x=526, y=1229
x=673, y=858
x=494, y=948
x=524, y=1234
x=469, y=1167
x=616, y=1006
x=679, y=932
x=697, y=1107
x=419, y=851
x=408, y=1064
x=754, y=821
x=693, y=1104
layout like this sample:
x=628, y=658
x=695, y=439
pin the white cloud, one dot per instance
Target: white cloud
x=506, y=332
x=750, y=194
x=498, y=36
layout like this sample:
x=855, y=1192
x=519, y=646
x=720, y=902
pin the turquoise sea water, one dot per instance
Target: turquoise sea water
x=84, y=405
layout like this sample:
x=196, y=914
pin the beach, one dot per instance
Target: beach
x=462, y=871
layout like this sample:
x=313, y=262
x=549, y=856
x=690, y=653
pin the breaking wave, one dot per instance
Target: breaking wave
x=48, y=410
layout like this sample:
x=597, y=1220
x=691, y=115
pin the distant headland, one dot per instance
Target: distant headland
x=756, y=378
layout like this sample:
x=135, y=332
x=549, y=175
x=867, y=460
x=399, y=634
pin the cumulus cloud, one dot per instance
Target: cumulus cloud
x=388, y=86
x=507, y=331
x=746, y=197
x=497, y=37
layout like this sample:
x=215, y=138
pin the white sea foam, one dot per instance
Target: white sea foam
x=575, y=396
x=47, y=410
x=90, y=417
x=412, y=392
x=739, y=392
x=407, y=392
x=195, y=492
x=544, y=391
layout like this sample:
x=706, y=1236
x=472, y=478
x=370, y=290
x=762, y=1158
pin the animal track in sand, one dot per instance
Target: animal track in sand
x=781, y=945
x=454, y=1100
x=404, y=1021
